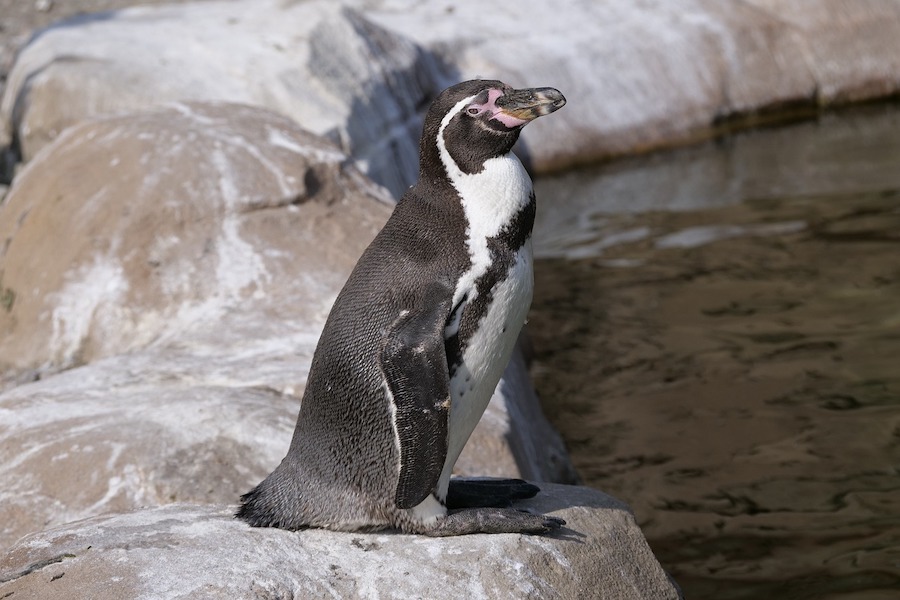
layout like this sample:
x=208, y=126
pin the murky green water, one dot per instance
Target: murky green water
x=718, y=339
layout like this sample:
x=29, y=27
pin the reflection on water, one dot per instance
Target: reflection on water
x=731, y=367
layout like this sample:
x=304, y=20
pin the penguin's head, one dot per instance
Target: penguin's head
x=478, y=120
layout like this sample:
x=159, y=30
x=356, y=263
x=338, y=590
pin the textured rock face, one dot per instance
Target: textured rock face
x=190, y=551
x=636, y=75
x=171, y=222
x=195, y=254
x=202, y=421
x=323, y=65
x=142, y=430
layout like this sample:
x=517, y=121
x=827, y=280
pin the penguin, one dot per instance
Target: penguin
x=417, y=340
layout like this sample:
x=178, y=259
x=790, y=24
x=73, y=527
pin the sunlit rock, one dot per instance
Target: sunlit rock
x=190, y=551
x=643, y=74
x=144, y=228
x=323, y=65
x=636, y=75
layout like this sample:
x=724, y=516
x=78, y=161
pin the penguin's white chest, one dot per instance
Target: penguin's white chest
x=488, y=351
x=492, y=200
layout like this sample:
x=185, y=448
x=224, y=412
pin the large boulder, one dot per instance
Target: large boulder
x=148, y=227
x=202, y=421
x=200, y=552
x=323, y=65
x=180, y=265
x=644, y=74
x=637, y=75
x=143, y=429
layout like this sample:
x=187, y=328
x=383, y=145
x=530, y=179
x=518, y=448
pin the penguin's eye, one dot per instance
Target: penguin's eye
x=473, y=111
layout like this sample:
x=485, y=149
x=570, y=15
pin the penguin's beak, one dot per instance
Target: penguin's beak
x=528, y=104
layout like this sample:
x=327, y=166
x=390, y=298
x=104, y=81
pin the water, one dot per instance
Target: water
x=717, y=337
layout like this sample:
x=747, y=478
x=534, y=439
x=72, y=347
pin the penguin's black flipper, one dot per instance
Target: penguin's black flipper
x=414, y=363
x=483, y=492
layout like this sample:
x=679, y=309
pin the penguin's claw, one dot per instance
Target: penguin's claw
x=493, y=520
x=552, y=522
x=549, y=522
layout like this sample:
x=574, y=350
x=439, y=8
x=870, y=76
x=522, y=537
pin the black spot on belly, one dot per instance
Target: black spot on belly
x=503, y=249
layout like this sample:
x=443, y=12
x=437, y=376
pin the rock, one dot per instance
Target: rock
x=21, y=18
x=143, y=429
x=321, y=64
x=191, y=551
x=196, y=253
x=637, y=76
x=641, y=75
x=172, y=222
x=202, y=421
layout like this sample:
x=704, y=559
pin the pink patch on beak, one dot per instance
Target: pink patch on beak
x=497, y=113
x=509, y=120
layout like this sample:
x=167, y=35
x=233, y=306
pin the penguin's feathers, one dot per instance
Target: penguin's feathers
x=418, y=338
x=414, y=362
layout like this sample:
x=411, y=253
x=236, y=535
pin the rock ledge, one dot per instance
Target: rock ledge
x=199, y=552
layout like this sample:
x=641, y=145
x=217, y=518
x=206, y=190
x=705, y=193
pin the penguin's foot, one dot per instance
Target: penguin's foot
x=493, y=520
x=483, y=492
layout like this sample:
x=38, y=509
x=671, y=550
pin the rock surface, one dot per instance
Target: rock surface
x=322, y=64
x=172, y=222
x=200, y=552
x=196, y=252
x=18, y=19
x=637, y=75
x=643, y=74
x=202, y=421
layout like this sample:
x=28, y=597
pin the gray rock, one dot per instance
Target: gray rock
x=200, y=552
x=139, y=430
x=321, y=64
x=196, y=253
x=202, y=421
x=644, y=74
x=637, y=75
x=173, y=222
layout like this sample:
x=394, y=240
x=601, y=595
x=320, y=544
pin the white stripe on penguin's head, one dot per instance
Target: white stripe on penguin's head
x=453, y=170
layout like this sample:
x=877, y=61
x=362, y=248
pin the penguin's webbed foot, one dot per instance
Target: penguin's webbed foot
x=485, y=492
x=493, y=520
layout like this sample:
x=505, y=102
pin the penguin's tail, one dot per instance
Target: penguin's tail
x=250, y=509
x=259, y=508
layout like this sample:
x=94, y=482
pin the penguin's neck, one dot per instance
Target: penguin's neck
x=494, y=201
x=493, y=197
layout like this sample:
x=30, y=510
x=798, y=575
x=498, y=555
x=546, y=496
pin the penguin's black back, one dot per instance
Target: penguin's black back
x=415, y=246
x=344, y=439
